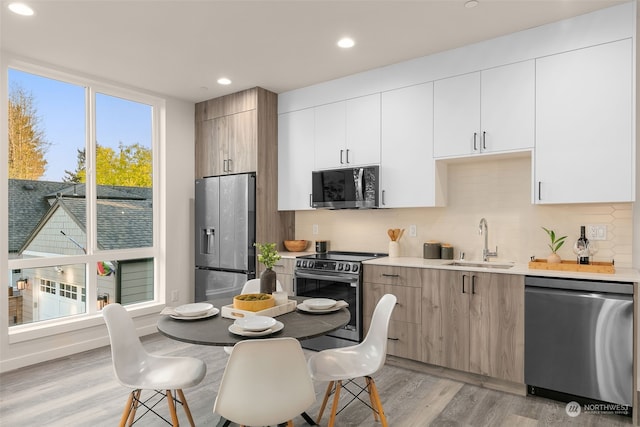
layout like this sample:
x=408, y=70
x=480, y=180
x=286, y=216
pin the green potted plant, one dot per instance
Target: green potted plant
x=555, y=245
x=269, y=257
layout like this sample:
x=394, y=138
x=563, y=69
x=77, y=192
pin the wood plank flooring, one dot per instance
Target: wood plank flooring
x=80, y=390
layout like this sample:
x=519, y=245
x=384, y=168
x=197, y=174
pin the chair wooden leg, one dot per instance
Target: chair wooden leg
x=127, y=410
x=290, y=423
x=134, y=408
x=334, y=408
x=185, y=406
x=376, y=396
x=374, y=405
x=324, y=401
x=172, y=409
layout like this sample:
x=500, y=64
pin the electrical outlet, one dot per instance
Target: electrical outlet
x=413, y=231
x=596, y=231
x=175, y=295
x=315, y=229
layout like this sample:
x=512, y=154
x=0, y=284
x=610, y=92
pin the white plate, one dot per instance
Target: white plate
x=209, y=313
x=339, y=305
x=195, y=309
x=256, y=323
x=320, y=303
x=237, y=330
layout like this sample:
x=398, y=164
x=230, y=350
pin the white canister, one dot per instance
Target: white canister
x=394, y=249
x=280, y=297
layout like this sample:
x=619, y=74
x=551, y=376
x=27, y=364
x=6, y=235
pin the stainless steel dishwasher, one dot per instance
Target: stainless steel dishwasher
x=578, y=339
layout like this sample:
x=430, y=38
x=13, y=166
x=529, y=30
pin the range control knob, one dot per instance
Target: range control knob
x=340, y=266
x=299, y=263
x=347, y=267
x=355, y=268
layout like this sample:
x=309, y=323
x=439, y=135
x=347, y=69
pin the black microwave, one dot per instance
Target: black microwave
x=353, y=188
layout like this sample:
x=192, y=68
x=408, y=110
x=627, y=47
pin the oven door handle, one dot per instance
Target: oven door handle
x=314, y=276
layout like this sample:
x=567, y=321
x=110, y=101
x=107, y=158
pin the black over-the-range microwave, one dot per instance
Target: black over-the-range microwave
x=352, y=188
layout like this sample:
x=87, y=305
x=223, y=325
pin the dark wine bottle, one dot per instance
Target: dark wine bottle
x=582, y=247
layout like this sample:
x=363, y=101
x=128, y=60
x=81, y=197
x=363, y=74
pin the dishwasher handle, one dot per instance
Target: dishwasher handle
x=579, y=285
x=529, y=290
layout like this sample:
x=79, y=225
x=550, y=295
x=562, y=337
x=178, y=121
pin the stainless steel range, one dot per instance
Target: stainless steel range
x=336, y=275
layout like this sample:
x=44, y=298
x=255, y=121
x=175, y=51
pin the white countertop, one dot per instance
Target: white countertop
x=620, y=275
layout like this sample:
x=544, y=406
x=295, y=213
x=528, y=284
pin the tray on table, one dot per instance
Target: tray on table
x=233, y=313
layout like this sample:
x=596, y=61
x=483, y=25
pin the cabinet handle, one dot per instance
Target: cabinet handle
x=475, y=142
x=383, y=202
x=484, y=140
x=310, y=200
x=341, y=161
x=393, y=339
x=228, y=165
x=473, y=284
x=463, y=276
x=347, y=156
x=224, y=165
x=390, y=275
x=539, y=190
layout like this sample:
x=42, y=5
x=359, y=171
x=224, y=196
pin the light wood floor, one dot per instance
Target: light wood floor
x=80, y=390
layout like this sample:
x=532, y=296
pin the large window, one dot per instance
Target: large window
x=81, y=196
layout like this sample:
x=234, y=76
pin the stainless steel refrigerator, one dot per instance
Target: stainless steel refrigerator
x=225, y=227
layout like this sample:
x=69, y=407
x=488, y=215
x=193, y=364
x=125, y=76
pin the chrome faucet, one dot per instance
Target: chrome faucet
x=484, y=229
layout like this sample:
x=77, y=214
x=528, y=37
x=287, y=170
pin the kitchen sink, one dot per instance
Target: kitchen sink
x=481, y=264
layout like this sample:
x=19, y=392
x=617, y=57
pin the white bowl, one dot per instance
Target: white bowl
x=255, y=323
x=319, y=303
x=195, y=309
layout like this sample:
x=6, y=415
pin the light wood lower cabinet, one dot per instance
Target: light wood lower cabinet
x=284, y=273
x=404, y=328
x=467, y=321
x=482, y=323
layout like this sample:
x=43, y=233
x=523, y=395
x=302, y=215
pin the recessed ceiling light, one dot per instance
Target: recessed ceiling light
x=346, y=42
x=224, y=81
x=471, y=3
x=20, y=9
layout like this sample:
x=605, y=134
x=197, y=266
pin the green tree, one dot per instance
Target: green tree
x=27, y=143
x=130, y=165
x=79, y=174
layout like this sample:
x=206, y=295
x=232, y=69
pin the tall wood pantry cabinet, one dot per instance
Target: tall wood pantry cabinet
x=238, y=133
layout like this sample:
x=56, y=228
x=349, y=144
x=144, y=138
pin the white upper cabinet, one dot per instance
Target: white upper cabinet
x=491, y=111
x=456, y=119
x=507, y=107
x=347, y=133
x=407, y=168
x=295, y=159
x=584, y=125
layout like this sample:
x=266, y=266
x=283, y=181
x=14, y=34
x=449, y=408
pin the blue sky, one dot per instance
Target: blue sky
x=60, y=108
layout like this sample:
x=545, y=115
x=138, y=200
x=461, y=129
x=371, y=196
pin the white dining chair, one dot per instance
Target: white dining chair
x=361, y=360
x=252, y=287
x=138, y=370
x=265, y=383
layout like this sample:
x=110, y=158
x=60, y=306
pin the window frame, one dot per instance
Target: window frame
x=28, y=331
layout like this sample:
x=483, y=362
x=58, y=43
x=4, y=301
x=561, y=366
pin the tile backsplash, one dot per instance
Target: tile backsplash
x=496, y=189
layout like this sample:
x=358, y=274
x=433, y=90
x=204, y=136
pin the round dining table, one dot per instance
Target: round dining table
x=214, y=330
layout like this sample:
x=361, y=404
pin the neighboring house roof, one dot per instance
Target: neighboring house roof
x=124, y=213
x=28, y=203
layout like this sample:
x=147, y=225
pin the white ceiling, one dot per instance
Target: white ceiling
x=180, y=47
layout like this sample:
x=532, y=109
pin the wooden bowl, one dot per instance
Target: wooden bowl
x=253, y=302
x=295, y=245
